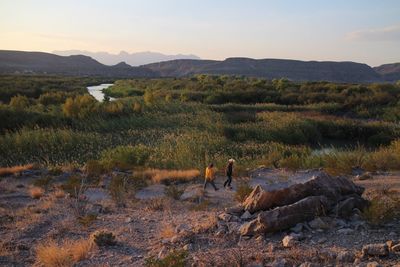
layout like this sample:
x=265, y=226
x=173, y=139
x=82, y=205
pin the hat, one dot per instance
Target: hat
x=231, y=160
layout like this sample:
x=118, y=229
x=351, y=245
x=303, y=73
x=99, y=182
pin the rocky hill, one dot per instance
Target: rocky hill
x=271, y=68
x=46, y=63
x=390, y=72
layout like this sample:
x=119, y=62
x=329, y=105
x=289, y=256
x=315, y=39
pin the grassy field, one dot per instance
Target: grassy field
x=186, y=123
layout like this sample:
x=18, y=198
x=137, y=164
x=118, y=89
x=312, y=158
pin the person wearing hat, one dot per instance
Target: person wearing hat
x=209, y=176
x=229, y=172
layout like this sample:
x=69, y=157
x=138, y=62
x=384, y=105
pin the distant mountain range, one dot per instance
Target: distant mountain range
x=46, y=63
x=133, y=59
x=79, y=65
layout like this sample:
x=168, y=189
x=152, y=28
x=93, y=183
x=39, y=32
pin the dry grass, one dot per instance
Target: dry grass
x=15, y=169
x=165, y=176
x=59, y=193
x=36, y=192
x=206, y=224
x=167, y=230
x=80, y=249
x=64, y=255
x=52, y=255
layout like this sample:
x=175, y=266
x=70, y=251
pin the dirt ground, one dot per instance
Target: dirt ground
x=154, y=225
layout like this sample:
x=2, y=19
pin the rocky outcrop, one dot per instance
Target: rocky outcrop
x=300, y=199
x=286, y=216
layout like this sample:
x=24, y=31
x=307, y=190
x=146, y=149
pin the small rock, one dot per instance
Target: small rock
x=182, y=228
x=235, y=210
x=280, y=263
x=175, y=239
x=318, y=223
x=345, y=231
x=162, y=253
x=260, y=239
x=128, y=220
x=341, y=223
x=219, y=233
x=298, y=228
x=396, y=248
x=375, y=250
x=373, y=264
x=188, y=247
x=345, y=257
x=224, y=217
x=289, y=241
x=308, y=264
x=322, y=240
x=365, y=176
x=246, y=215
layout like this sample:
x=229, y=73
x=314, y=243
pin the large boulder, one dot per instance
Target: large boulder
x=298, y=187
x=286, y=216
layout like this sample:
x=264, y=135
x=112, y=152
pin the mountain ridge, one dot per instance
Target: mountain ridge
x=133, y=59
x=12, y=61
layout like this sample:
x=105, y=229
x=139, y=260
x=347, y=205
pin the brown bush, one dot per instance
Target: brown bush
x=36, y=192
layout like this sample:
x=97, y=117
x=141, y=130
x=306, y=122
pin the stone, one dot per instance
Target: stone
x=375, y=250
x=233, y=227
x=289, y=241
x=225, y=217
x=345, y=257
x=193, y=193
x=188, y=247
x=365, y=176
x=246, y=215
x=322, y=240
x=128, y=220
x=235, y=210
x=300, y=187
x=162, y=253
x=318, y=223
x=182, y=228
x=308, y=264
x=282, y=218
x=396, y=248
x=280, y=263
x=346, y=207
x=345, y=231
x=298, y=228
x=373, y=264
x=341, y=223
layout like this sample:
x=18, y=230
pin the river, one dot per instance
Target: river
x=97, y=91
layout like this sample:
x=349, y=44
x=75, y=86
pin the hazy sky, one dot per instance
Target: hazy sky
x=357, y=30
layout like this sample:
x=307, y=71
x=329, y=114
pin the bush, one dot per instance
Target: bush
x=383, y=208
x=177, y=258
x=104, y=238
x=126, y=157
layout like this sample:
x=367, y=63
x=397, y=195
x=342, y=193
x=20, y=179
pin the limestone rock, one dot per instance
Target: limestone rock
x=289, y=241
x=345, y=231
x=287, y=216
x=318, y=223
x=345, y=257
x=375, y=250
x=320, y=184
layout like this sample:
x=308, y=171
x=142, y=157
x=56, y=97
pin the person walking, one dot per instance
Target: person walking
x=210, y=176
x=229, y=172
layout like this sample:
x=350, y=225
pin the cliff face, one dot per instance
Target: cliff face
x=390, y=72
x=46, y=63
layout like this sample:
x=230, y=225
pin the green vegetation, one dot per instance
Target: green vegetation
x=183, y=124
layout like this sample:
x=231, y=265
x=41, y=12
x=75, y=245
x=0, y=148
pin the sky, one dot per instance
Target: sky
x=366, y=31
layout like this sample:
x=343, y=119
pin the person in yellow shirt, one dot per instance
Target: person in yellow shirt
x=210, y=176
